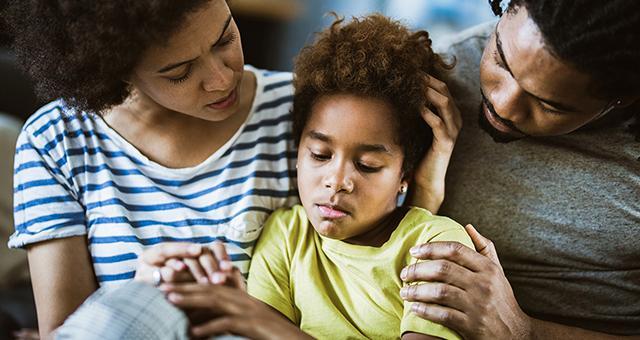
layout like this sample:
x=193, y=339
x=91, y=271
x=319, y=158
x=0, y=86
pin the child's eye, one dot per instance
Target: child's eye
x=367, y=168
x=319, y=156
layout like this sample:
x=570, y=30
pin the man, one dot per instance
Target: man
x=547, y=167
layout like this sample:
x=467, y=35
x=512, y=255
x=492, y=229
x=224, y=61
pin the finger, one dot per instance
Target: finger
x=220, y=251
x=176, y=265
x=452, y=251
x=483, y=245
x=435, y=123
x=435, y=293
x=438, y=85
x=221, y=325
x=449, y=317
x=196, y=270
x=446, y=107
x=440, y=271
x=159, y=254
x=227, y=302
x=209, y=264
x=237, y=280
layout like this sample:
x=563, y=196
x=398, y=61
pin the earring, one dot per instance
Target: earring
x=403, y=189
x=618, y=102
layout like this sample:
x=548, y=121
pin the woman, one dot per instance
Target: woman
x=163, y=142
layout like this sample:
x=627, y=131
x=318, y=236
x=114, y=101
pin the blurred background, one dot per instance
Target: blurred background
x=273, y=31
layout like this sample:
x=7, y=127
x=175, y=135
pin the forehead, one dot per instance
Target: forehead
x=536, y=69
x=196, y=34
x=354, y=119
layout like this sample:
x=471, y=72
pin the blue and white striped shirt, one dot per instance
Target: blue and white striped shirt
x=74, y=175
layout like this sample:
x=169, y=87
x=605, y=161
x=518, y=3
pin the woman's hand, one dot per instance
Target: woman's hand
x=188, y=262
x=430, y=173
x=237, y=312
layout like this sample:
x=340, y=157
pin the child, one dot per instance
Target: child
x=332, y=265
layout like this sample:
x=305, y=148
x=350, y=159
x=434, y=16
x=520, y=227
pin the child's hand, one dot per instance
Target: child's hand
x=446, y=125
x=214, y=266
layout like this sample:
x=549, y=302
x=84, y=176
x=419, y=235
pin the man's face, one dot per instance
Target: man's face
x=527, y=91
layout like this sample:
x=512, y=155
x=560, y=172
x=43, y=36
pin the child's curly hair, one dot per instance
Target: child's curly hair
x=376, y=57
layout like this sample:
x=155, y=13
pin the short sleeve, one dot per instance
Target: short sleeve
x=449, y=231
x=45, y=205
x=269, y=279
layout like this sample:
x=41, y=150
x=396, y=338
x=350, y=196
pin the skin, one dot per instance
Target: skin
x=338, y=177
x=468, y=291
x=529, y=87
x=350, y=164
x=171, y=124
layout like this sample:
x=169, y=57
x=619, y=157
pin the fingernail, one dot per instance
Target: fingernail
x=403, y=274
x=414, y=251
x=217, y=278
x=403, y=292
x=174, y=297
x=195, y=249
x=226, y=265
x=203, y=280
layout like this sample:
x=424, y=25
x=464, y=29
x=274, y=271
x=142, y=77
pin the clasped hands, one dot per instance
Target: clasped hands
x=202, y=281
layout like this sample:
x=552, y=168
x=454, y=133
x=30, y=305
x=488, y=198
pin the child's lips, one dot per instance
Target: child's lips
x=331, y=212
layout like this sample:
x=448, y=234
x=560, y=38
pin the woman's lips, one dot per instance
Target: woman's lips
x=330, y=212
x=224, y=103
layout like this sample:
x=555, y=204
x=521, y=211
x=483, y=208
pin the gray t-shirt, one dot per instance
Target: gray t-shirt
x=563, y=212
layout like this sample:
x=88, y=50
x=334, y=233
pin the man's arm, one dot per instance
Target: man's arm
x=468, y=292
x=62, y=278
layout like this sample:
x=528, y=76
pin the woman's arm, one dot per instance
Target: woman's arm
x=62, y=278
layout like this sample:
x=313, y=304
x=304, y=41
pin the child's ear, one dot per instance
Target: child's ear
x=404, y=185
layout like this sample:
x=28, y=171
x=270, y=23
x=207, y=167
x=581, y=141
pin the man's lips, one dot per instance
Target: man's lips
x=497, y=123
x=331, y=211
x=224, y=102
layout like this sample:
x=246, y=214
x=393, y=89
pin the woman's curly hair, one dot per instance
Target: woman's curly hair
x=375, y=57
x=83, y=50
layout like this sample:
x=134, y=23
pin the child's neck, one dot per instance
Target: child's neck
x=378, y=235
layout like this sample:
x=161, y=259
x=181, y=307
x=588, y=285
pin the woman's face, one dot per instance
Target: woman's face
x=199, y=69
x=349, y=166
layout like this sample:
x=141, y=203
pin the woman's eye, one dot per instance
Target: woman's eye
x=367, y=168
x=227, y=40
x=181, y=78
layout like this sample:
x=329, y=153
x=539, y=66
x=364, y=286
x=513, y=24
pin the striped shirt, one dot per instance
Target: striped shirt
x=74, y=175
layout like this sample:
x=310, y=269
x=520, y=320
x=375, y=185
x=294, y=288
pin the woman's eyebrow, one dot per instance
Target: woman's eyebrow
x=180, y=63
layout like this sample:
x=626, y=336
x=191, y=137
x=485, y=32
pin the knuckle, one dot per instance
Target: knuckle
x=440, y=292
x=446, y=316
x=443, y=268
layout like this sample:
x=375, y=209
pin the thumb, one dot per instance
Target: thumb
x=483, y=245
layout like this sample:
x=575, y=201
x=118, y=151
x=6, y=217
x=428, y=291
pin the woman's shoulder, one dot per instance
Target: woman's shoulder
x=55, y=121
x=274, y=90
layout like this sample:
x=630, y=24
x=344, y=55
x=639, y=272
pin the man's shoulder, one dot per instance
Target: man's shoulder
x=471, y=38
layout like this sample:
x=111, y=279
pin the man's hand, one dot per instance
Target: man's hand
x=466, y=291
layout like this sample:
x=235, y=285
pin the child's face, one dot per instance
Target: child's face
x=349, y=166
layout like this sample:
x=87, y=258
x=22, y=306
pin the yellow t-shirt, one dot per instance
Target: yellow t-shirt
x=336, y=290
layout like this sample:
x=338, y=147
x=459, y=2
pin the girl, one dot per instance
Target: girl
x=332, y=266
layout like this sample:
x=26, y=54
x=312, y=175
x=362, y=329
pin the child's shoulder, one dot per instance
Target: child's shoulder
x=427, y=227
x=288, y=221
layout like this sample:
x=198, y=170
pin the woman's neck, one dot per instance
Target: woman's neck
x=173, y=139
